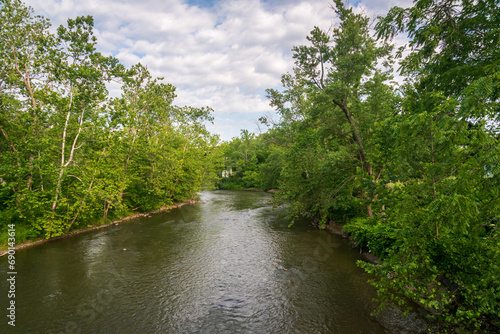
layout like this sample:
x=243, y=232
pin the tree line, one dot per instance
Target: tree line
x=411, y=171
x=71, y=155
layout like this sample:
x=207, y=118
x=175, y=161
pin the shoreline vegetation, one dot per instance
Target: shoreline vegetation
x=39, y=241
x=72, y=154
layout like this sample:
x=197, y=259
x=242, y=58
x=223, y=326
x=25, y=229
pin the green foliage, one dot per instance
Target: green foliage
x=71, y=156
x=414, y=174
x=249, y=162
x=438, y=203
x=327, y=109
x=454, y=42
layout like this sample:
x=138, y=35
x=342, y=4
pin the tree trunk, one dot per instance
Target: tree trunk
x=134, y=132
x=359, y=142
x=357, y=137
x=64, y=164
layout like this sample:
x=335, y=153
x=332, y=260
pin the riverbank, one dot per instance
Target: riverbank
x=336, y=228
x=40, y=241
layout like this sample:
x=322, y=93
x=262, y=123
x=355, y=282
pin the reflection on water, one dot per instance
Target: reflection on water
x=228, y=265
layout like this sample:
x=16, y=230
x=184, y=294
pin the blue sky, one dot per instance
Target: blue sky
x=218, y=53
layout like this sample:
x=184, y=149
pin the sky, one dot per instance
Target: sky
x=222, y=54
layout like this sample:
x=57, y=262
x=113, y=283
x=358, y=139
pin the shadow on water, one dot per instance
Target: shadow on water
x=227, y=265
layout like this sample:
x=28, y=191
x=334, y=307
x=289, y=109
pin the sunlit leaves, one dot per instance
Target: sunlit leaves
x=439, y=199
x=70, y=155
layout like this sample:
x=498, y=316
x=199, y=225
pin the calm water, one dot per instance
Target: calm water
x=228, y=265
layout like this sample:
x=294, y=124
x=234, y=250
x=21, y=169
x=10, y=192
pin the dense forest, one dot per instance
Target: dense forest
x=70, y=154
x=411, y=171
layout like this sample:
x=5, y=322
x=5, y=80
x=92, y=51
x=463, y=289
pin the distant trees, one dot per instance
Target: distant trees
x=70, y=154
x=247, y=161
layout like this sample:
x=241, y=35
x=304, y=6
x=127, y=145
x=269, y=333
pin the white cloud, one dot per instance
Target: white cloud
x=222, y=55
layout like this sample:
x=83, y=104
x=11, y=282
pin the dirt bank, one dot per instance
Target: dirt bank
x=336, y=228
x=116, y=222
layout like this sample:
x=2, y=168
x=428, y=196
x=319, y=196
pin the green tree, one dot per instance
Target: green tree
x=25, y=45
x=327, y=111
x=70, y=156
x=438, y=231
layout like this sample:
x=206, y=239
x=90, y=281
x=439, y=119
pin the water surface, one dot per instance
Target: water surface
x=227, y=265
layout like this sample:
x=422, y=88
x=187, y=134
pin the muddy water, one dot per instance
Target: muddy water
x=228, y=265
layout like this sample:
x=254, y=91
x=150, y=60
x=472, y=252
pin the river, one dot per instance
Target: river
x=230, y=264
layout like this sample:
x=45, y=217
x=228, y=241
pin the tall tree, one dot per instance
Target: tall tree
x=25, y=45
x=328, y=105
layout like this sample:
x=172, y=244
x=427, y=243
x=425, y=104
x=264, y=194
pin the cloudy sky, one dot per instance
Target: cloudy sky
x=218, y=53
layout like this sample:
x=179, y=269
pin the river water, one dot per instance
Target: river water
x=230, y=264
